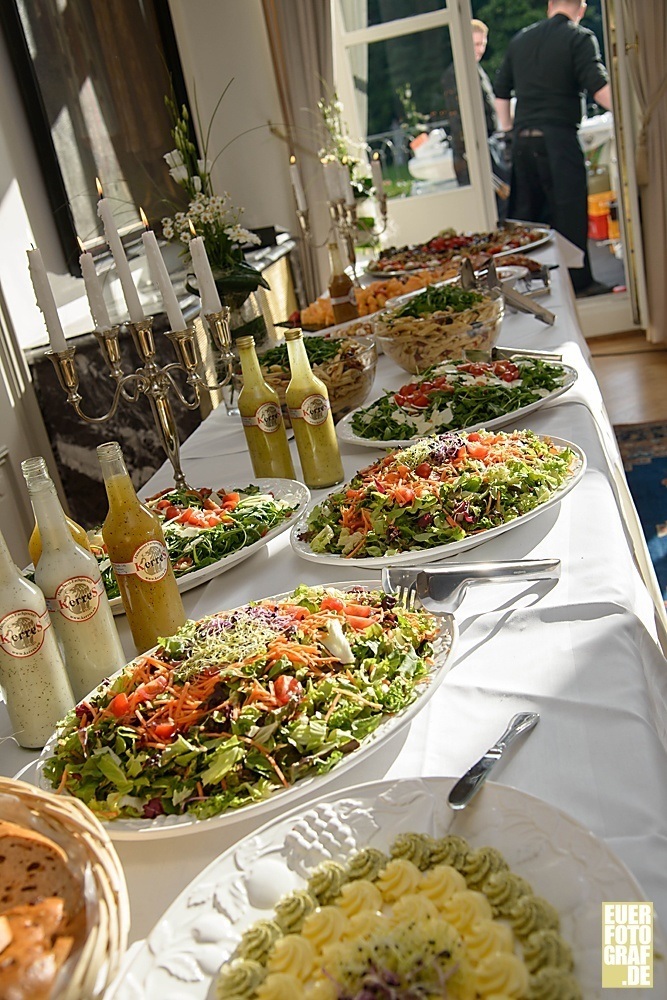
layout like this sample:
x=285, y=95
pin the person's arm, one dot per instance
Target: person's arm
x=603, y=97
x=504, y=112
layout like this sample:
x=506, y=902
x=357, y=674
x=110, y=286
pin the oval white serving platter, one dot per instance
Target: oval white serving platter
x=561, y=859
x=438, y=552
x=173, y=826
x=289, y=490
x=346, y=433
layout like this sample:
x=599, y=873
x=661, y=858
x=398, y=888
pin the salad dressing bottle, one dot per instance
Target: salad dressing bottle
x=35, y=542
x=70, y=579
x=310, y=412
x=134, y=540
x=32, y=673
x=262, y=418
x=341, y=288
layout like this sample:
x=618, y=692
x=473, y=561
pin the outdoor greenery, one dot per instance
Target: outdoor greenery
x=418, y=61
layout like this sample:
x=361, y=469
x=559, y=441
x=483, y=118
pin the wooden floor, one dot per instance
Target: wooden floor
x=632, y=375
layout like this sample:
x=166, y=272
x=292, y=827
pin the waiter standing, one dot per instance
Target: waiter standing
x=548, y=66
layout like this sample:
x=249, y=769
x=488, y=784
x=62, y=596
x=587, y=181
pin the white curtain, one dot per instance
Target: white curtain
x=645, y=23
x=301, y=47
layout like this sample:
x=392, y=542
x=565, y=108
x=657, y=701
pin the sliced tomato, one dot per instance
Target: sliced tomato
x=230, y=501
x=421, y=400
x=286, y=687
x=120, y=705
x=473, y=436
x=360, y=624
x=170, y=511
x=477, y=449
x=404, y=495
x=165, y=731
x=358, y=610
x=330, y=603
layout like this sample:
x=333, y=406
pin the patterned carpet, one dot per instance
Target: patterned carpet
x=644, y=451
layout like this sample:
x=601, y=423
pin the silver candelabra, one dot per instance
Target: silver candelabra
x=345, y=225
x=155, y=382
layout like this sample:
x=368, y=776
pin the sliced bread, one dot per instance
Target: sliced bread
x=33, y=867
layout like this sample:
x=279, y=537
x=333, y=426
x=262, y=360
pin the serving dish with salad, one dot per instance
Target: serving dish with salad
x=245, y=705
x=455, y=395
x=208, y=531
x=438, y=497
x=449, y=245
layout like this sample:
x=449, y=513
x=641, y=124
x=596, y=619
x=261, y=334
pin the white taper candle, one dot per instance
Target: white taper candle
x=98, y=308
x=160, y=274
x=46, y=301
x=122, y=267
x=299, y=193
x=376, y=171
x=208, y=293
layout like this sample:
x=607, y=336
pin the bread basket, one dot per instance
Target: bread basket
x=71, y=824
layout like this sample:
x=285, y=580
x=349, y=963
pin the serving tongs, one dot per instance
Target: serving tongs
x=441, y=589
x=513, y=298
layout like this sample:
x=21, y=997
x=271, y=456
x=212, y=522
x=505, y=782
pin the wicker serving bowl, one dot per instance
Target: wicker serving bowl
x=95, y=962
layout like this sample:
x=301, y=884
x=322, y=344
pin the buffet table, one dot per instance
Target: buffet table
x=583, y=651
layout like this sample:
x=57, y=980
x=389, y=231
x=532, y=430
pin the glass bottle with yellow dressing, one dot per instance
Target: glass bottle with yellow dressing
x=310, y=412
x=262, y=418
x=38, y=467
x=69, y=577
x=32, y=674
x=134, y=540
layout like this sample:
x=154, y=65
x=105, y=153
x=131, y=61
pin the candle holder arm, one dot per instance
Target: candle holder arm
x=63, y=362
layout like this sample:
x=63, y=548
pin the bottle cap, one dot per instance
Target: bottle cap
x=295, y=334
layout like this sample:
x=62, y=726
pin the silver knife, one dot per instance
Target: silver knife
x=472, y=780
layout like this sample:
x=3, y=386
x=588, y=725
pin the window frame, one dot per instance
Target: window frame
x=455, y=15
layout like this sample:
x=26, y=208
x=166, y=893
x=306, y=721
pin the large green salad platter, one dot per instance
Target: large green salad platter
x=246, y=710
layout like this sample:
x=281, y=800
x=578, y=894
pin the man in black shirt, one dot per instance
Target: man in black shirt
x=480, y=34
x=548, y=66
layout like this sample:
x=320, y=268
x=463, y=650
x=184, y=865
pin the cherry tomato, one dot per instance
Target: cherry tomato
x=423, y=470
x=421, y=400
x=171, y=511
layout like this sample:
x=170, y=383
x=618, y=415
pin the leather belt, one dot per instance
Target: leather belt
x=531, y=133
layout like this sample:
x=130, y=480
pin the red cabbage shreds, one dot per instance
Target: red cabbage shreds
x=445, y=448
x=462, y=512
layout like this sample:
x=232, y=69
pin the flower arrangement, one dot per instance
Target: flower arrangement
x=212, y=216
x=338, y=144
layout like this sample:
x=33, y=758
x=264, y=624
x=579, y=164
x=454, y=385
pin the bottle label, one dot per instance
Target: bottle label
x=314, y=410
x=339, y=300
x=267, y=418
x=22, y=632
x=77, y=599
x=150, y=563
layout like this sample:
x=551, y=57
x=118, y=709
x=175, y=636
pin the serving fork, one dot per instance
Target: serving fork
x=511, y=296
x=441, y=589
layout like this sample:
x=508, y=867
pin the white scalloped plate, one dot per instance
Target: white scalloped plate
x=290, y=490
x=562, y=860
x=346, y=433
x=414, y=557
x=175, y=826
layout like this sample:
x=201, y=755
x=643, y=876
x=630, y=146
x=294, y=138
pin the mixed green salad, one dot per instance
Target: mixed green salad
x=239, y=704
x=457, y=394
x=201, y=527
x=439, y=490
x=439, y=298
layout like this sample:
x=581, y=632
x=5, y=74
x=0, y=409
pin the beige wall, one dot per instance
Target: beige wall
x=218, y=40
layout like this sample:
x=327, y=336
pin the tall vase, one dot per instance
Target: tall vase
x=246, y=318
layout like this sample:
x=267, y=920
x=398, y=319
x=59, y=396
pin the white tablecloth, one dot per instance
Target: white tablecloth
x=582, y=651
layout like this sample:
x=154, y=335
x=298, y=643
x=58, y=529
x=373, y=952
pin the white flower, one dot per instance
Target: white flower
x=196, y=182
x=204, y=166
x=174, y=159
x=180, y=174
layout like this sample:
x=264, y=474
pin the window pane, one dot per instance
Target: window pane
x=102, y=75
x=366, y=13
x=407, y=102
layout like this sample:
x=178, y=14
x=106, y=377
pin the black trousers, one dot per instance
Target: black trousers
x=549, y=186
